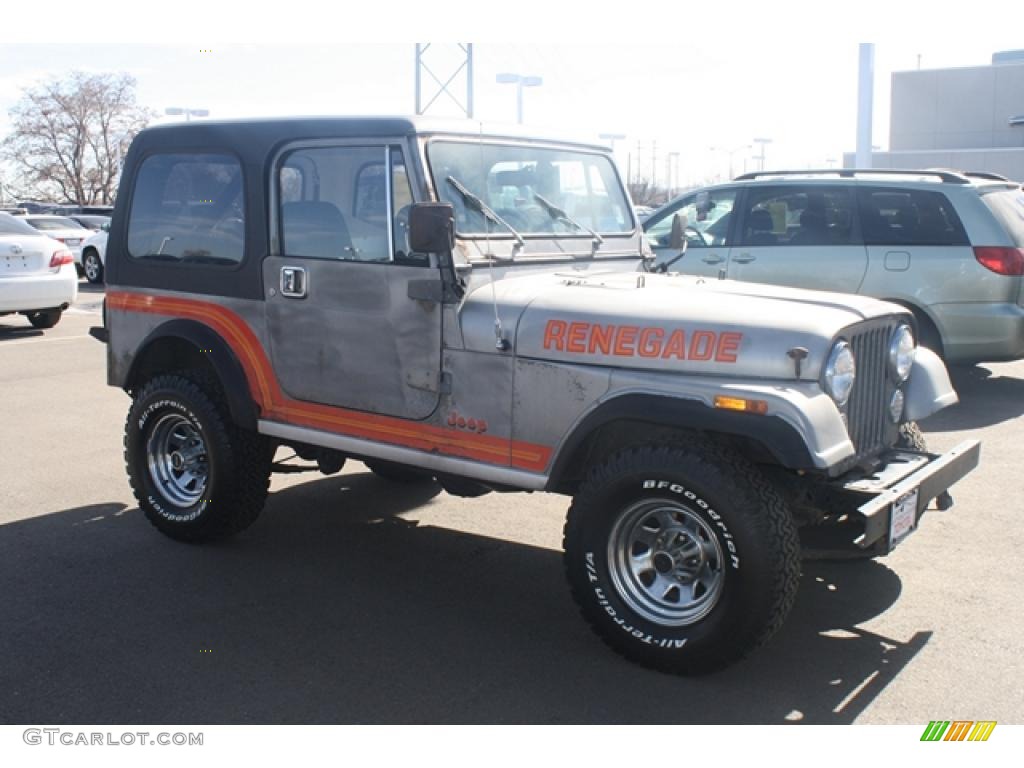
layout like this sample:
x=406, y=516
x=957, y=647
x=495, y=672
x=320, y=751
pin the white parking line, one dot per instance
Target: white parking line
x=18, y=342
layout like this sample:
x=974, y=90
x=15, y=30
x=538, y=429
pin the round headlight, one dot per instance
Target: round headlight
x=840, y=371
x=902, y=349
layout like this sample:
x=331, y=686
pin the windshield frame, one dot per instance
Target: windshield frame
x=500, y=234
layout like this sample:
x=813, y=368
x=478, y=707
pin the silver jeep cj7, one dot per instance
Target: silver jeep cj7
x=481, y=310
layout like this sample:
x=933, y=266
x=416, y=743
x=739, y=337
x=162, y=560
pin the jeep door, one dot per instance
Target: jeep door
x=708, y=219
x=343, y=329
x=804, y=236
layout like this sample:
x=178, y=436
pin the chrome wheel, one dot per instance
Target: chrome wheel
x=92, y=267
x=177, y=459
x=665, y=562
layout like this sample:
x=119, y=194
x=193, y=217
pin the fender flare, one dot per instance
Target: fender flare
x=244, y=410
x=778, y=437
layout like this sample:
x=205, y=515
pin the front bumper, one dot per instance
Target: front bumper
x=873, y=514
x=930, y=477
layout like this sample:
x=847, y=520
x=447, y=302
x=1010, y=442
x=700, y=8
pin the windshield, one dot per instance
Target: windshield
x=508, y=178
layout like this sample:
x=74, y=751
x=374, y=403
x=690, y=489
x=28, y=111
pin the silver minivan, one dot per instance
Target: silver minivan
x=949, y=246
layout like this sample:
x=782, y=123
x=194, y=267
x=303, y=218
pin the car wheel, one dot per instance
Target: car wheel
x=398, y=473
x=92, y=266
x=195, y=474
x=45, y=319
x=683, y=559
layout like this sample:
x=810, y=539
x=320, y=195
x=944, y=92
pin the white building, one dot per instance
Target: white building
x=968, y=118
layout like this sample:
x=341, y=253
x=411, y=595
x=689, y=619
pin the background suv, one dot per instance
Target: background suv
x=948, y=246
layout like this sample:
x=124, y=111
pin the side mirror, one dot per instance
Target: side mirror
x=105, y=226
x=432, y=227
x=677, y=240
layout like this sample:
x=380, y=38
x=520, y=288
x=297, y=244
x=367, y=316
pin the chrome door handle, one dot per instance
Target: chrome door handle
x=744, y=258
x=293, y=282
x=712, y=258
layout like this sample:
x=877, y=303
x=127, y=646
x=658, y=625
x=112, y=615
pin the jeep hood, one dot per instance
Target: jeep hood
x=663, y=323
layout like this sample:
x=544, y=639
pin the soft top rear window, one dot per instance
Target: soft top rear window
x=1008, y=208
x=188, y=208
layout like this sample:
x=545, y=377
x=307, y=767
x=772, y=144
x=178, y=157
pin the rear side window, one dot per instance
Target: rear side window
x=188, y=208
x=1008, y=208
x=908, y=217
x=12, y=226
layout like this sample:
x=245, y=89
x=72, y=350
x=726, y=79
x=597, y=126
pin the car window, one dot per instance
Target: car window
x=707, y=218
x=9, y=225
x=52, y=223
x=334, y=203
x=797, y=215
x=188, y=208
x=890, y=216
x=1008, y=208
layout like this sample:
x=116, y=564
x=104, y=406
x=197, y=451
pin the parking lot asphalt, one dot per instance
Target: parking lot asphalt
x=353, y=600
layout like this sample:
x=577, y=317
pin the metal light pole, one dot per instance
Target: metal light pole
x=521, y=81
x=673, y=157
x=188, y=112
x=731, y=153
x=760, y=158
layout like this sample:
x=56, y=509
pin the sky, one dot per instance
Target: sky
x=699, y=82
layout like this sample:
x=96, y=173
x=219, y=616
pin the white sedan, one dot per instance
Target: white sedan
x=94, y=249
x=37, y=273
x=68, y=231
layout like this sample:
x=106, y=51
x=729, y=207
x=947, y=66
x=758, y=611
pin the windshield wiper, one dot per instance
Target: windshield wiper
x=478, y=205
x=559, y=215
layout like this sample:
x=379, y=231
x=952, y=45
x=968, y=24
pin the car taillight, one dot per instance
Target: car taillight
x=60, y=258
x=1002, y=261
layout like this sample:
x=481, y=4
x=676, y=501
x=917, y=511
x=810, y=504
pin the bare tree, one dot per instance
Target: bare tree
x=643, y=192
x=68, y=137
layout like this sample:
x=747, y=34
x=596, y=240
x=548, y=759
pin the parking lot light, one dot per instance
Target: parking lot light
x=188, y=112
x=520, y=81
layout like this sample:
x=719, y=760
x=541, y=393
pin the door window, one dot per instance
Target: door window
x=708, y=214
x=797, y=215
x=345, y=203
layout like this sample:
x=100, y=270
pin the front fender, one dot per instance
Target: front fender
x=929, y=388
x=802, y=428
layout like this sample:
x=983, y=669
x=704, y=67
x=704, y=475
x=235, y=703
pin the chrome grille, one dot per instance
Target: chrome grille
x=867, y=412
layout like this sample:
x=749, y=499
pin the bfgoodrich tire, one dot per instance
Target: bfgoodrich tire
x=682, y=558
x=195, y=475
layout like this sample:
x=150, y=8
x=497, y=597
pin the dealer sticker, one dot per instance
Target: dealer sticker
x=903, y=519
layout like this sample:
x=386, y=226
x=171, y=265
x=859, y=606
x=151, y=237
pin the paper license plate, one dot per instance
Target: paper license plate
x=903, y=520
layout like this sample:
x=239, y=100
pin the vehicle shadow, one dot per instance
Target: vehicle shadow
x=11, y=328
x=985, y=399
x=84, y=286
x=338, y=607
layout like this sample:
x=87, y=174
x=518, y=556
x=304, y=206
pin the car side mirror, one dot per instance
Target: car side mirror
x=677, y=240
x=105, y=227
x=432, y=227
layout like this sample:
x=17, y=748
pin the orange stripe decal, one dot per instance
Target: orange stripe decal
x=277, y=406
